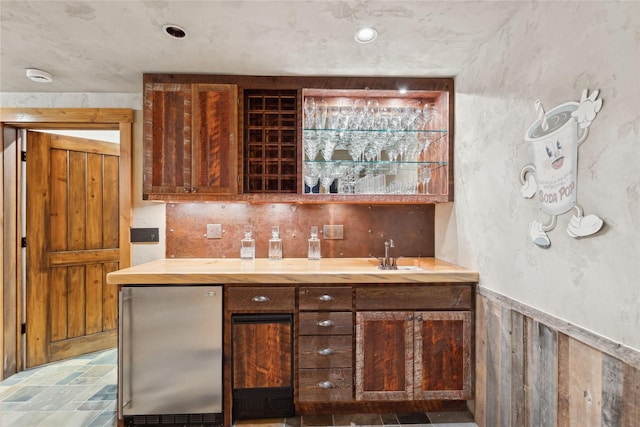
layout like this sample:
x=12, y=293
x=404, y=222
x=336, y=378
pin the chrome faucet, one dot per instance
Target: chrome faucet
x=388, y=263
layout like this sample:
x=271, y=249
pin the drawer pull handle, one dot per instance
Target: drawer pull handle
x=325, y=298
x=325, y=351
x=260, y=298
x=326, y=323
x=326, y=384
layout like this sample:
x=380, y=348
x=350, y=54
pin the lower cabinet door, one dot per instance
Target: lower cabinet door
x=384, y=355
x=325, y=385
x=262, y=358
x=443, y=355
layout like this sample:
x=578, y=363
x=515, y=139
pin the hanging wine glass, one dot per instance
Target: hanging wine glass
x=321, y=112
x=429, y=112
x=359, y=112
x=309, y=112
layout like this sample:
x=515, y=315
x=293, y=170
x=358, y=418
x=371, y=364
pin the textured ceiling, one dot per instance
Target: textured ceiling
x=105, y=46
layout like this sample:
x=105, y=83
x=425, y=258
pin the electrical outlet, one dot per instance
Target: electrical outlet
x=214, y=231
x=333, y=232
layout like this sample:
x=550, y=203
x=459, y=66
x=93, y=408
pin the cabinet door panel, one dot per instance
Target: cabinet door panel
x=442, y=355
x=262, y=355
x=167, y=138
x=214, y=167
x=384, y=361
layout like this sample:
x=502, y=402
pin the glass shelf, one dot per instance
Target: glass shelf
x=383, y=143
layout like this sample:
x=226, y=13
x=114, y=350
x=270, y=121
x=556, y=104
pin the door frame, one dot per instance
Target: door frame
x=120, y=119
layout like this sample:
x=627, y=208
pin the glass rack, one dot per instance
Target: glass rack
x=383, y=144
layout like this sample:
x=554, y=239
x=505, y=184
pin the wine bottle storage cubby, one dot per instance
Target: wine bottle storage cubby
x=270, y=145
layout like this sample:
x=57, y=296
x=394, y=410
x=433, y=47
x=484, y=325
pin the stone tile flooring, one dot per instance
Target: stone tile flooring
x=81, y=392
x=76, y=392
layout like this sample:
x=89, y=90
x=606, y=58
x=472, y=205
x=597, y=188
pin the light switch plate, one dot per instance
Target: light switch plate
x=214, y=231
x=333, y=232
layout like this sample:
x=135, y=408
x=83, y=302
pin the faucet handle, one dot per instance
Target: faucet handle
x=391, y=244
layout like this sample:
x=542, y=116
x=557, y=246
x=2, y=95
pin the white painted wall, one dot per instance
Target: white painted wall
x=552, y=51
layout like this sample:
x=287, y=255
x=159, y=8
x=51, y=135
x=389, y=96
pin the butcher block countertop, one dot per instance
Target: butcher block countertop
x=288, y=271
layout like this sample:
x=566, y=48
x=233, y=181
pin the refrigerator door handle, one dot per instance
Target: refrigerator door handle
x=124, y=350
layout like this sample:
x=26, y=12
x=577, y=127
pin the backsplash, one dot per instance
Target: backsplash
x=365, y=229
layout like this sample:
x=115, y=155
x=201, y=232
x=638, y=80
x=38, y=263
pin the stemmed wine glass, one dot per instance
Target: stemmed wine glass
x=425, y=177
x=311, y=176
x=321, y=111
x=309, y=112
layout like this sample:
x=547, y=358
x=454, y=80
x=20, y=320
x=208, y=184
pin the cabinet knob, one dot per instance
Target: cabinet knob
x=326, y=384
x=325, y=297
x=186, y=189
x=325, y=351
x=194, y=190
x=419, y=318
x=260, y=298
x=326, y=323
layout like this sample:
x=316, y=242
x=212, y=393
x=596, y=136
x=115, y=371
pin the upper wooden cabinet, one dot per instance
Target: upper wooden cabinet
x=250, y=139
x=189, y=139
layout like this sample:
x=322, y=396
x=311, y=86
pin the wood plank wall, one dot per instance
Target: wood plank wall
x=536, y=370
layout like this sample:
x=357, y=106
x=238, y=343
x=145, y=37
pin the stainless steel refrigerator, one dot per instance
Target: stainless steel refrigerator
x=170, y=354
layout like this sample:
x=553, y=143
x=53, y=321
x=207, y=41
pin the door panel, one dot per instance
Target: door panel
x=384, y=362
x=443, y=356
x=73, y=242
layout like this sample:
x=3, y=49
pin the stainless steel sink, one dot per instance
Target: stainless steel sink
x=408, y=267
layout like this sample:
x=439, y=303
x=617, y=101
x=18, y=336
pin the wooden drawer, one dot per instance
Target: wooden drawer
x=335, y=299
x=325, y=351
x=431, y=297
x=325, y=323
x=260, y=299
x=325, y=385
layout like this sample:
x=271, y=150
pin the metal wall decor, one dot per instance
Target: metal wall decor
x=553, y=141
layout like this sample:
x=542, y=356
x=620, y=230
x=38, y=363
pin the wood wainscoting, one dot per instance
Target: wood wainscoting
x=533, y=369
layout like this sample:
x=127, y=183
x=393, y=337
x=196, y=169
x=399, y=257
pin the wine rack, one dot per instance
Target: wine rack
x=270, y=143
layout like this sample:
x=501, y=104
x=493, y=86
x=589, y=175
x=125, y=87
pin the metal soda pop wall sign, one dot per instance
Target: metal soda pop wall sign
x=554, y=139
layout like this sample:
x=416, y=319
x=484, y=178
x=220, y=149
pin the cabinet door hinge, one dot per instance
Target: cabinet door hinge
x=23, y=156
x=23, y=242
x=23, y=329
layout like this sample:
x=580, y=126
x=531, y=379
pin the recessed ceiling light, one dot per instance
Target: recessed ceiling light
x=174, y=31
x=365, y=35
x=39, y=76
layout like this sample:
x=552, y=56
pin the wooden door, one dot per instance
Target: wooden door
x=443, y=355
x=215, y=153
x=72, y=243
x=384, y=350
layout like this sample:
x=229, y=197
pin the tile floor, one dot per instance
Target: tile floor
x=81, y=392
x=76, y=392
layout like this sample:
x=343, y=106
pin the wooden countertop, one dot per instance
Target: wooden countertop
x=289, y=271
